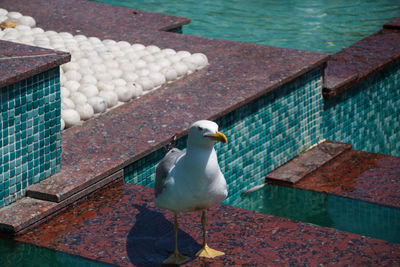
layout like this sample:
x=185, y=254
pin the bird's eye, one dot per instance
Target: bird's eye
x=200, y=128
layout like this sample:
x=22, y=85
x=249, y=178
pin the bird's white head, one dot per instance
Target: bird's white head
x=205, y=133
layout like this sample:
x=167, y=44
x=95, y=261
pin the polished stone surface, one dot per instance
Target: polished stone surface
x=19, y=62
x=80, y=17
x=297, y=168
x=29, y=212
x=393, y=24
x=120, y=225
x=358, y=61
x=359, y=175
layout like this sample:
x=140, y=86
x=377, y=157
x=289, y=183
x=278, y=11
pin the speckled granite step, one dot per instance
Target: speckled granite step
x=19, y=61
x=358, y=175
x=365, y=57
x=29, y=212
x=393, y=24
x=120, y=225
x=307, y=162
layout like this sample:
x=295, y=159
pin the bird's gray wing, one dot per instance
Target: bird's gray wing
x=164, y=167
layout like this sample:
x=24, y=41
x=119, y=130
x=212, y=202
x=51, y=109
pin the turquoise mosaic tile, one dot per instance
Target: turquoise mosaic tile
x=262, y=135
x=368, y=114
x=30, y=133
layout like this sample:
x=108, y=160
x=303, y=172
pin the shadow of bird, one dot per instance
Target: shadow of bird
x=151, y=239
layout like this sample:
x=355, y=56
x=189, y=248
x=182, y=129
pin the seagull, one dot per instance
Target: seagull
x=192, y=181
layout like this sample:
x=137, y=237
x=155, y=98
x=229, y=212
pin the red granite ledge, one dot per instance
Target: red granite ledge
x=393, y=24
x=19, y=62
x=302, y=165
x=359, y=175
x=79, y=17
x=28, y=212
x=360, y=60
x=120, y=225
x=23, y=213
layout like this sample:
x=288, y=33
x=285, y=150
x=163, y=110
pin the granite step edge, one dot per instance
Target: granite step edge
x=28, y=212
x=297, y=168
x=337, y=79
x=393, y=24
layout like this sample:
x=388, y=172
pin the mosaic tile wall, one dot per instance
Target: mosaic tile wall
x=30, y=133
x=367, y=115
x=262, y=135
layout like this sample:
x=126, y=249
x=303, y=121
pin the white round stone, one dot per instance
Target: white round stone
x=119, y=82
x=3, y=12
x=73, y=75
x=14, y=15
x=123, y=44
x=138, y=89
x=103, y=76
x=110, y=97
x=181, y=68
x=88, y=79
x=109, y=42
x=139, y=64
x=168, y=52
x=153, y=49
x=68, y=103
x=112, y=64
x=146, y=83
x=72, y=85
x=85, y=111
x=105, y=86
x=124, y=93
x=115, y=73
x=98, y=104
x=183, y=54
x=157, y=78
x=89, y=90
x=130, y=76
x=138, y=47
x=70, y=66
x=78, y=98
x=170, y=74
x=64, y=92
x=99, y=68
x=154, y=67
x=200, y=60
x=173, y=58
x=71, y=117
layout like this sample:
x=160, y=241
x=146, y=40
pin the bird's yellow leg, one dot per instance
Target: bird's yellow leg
x=176, y=257
x=206, y=251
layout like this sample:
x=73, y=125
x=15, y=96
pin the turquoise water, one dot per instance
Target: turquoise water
x=341, y=213
x=324, y=26
x=15, y=254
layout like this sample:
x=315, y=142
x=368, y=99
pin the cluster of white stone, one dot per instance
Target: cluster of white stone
x=102, y=73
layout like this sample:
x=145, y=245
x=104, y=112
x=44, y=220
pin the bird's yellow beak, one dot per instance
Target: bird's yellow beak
x=217, y=137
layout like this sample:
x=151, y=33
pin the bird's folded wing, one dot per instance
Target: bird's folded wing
x=164, y=167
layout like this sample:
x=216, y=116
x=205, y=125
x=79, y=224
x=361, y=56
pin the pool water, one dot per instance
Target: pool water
x=14, y=254
x=341, y=213
x=324, y=26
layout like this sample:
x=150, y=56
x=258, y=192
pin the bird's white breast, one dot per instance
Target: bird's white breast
x=196, y=182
